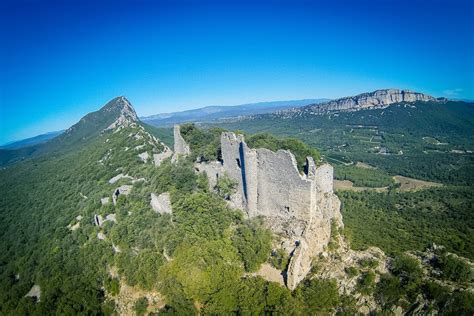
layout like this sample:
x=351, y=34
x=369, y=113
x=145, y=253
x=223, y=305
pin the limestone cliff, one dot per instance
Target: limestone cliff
x=376, y=99
x=300, y=208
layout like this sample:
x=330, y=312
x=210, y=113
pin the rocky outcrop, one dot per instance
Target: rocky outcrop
x=376, y=99
x=124, y=189
x=181, y=148
x=127, y=115
x=298, y=207
x=159, y=158
x=118, y=177
x=161, y=203
x=34, y=292
x=144, y=156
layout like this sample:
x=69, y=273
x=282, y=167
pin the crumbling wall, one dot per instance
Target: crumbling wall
x=181, y=148
x=299, y=207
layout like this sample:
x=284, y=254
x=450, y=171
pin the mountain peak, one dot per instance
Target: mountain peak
x=126, y=112
x=117, y=113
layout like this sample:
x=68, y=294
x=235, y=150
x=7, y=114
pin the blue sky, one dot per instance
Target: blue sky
x=60, y=60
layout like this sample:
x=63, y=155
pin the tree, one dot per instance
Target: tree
x=253, y=243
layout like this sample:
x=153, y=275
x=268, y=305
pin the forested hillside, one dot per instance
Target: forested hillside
x=58, y=257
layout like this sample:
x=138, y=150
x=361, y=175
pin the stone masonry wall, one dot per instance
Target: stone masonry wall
x=181, y=148
x=299, y=207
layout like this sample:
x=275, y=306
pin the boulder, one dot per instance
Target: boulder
x=161, y=203
x=124, y=189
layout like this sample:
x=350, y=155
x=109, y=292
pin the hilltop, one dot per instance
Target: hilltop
x=117, y=113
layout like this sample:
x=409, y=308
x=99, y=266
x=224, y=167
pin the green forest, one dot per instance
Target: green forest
x=201, y=259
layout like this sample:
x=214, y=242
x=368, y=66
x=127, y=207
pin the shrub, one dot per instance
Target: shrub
x=351, y=271
x=253, y=243
x=140, y=306
x=279, y=259
x=297, y=147
x=318, y=296
x=225, y=187
x=455, y=269
x=366, y=283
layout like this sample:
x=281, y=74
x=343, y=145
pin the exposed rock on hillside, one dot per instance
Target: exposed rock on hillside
x=127, y=114
x=161, y=203
x=376, y=99
x=159, y=158
x=34, y=292
x=118, y=177
x=124, y=189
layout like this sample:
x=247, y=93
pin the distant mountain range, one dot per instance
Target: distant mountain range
x=205, y=114
x=31, y=141
x=213, y=113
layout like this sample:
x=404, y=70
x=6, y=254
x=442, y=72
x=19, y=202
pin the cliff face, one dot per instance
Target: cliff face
x=376, y=99
x=299, y=208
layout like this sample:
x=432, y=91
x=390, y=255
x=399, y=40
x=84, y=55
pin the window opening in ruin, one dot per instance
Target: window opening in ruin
x=238, y=163
x=219, y=155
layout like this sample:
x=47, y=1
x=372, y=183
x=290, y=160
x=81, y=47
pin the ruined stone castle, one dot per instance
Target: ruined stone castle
x=299, y=208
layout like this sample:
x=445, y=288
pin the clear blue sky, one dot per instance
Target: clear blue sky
x=60, y=60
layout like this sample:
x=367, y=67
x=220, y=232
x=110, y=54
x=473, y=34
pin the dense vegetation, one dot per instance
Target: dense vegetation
x=297, y=147
x=204, y=144
x=408, y=286
x=363, y=177
x=201, y=258
x=211, y=245
x=397, y=221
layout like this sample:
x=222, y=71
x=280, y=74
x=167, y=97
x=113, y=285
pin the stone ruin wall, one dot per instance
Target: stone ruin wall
x=181, y=148
x=297, y=207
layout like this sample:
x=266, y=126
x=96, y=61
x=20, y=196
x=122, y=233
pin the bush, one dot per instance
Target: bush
x=297, y=147
x=253, y=243
x=318, y=296
x=366, y=283
x=410, y=273
x=369, y=263
x=351, y=271
x=279, y=259
x=140, y=306
x=225, y=187
x=112, y=286
x=388, y=291
x=204, y=144
x=455, y=269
